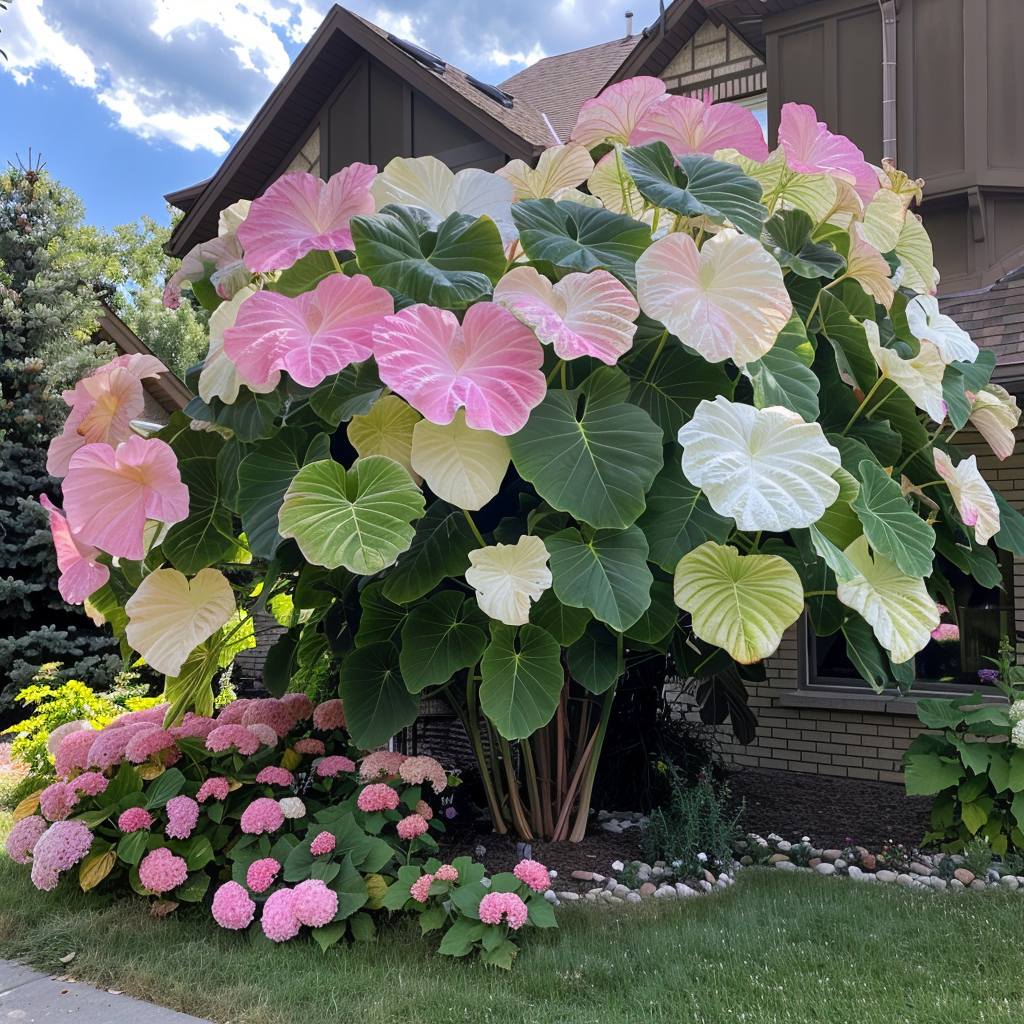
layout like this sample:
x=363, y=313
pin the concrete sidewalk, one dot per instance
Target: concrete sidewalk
x=31, y=997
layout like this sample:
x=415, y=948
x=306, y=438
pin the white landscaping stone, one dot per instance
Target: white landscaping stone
x=568, y=896
x=885, y=876
x=1009, y=881
x=824, y=868
x=684, y=890
x=785, y=865
x=956, y=885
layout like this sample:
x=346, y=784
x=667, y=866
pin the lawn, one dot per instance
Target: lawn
x=774, y=948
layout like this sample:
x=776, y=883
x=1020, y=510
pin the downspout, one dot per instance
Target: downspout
x=888, y=9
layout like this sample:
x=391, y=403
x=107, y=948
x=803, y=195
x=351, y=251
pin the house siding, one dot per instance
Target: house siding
x=718, y=61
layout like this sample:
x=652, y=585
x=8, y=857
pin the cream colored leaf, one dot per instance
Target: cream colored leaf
x=926, y=323
x=884, y=218
x=507, y=577
x=920, y=377
x=972, y=495
x=559, y=170
x=386, y=430
x=914, y=250
x=995, y=414
x=867, y=266
x=815, y=194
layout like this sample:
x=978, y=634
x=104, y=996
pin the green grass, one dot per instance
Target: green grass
x=774, y=948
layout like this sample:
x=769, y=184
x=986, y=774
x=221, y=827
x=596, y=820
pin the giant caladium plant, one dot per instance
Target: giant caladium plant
x=505, y=437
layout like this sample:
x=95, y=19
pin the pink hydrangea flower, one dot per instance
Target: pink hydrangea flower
x=447, y=873
x=146, y=716
x=90, y=784
x=329, y=715
x=416, y=770
x=215, y=788
x=264, y=733
x=261, y=874
x=22, y=838
x=147, y=743
x=420, y=889
x=533, y=874
x=424, y=810
x=273, y=775
x=279, y=922
x=58, y=849
x=322, y=844
x=377, y=797
x=380, y=764
x=194, y=727
x=946, y=631
x=161, y=871
x=272, y=712
x=73, y=753
x=224, y=737
x=109, y=745
x=313, y=903
x=309, y=746
x=496, y=906
x=232, y=714
x=331, y=766
x=233, y=908
x=182, y=815
x=135, y=819
x=262, y=815
x=411, y=826
x=299, y=704
x=57, y=801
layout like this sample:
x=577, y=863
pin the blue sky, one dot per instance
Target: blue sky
x=129, y=99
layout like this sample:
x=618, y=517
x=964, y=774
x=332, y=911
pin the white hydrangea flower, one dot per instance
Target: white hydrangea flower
x=1017, y=736
x=292, y=807
x=1017, y=711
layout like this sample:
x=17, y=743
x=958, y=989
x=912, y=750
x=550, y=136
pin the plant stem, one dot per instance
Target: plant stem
x=334, y=260
x=530, y=770
x=819, y=593
x=562, y=375
x=921, y=448
x=860, y=408
x=657, y=354
x=554, y=373
x=472, y=724
x=579, y=830
x=515, y=804
x=476, y=533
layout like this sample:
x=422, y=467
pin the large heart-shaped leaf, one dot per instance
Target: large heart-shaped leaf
x=584, y=238
x=890, y=524
x=741, y=603
x=678, y=517
x=507, y=577
x=377, y=703
x=380, y=620
x=250, y=416
x=349, y=393
x=698, y=186
x=839, y=523
x=596, y=467
x=440, y=548
x=564, y=623
x=439, y=638
x=360, y=518
x=385, y=430
x=594, y=660
x=521, y=673
x=788, y=239
x=847, y=336
x=451, y=267
x=1011, y=528
x=607, y=573
x=782, y=376
x=660, y=617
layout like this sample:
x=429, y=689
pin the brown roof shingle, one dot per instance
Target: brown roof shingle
x=994, y=318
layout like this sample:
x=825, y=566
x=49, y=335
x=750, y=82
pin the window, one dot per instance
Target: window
x=959, y=646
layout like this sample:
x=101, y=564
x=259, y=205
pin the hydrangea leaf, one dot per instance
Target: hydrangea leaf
x=606, y=573
x=360, y=518
x=377, y=703
x=597, y=467
x=439, y=638
x=741, y=603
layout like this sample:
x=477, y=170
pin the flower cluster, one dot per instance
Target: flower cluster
x=58, y=849
x=496, y=907
x=160, y=870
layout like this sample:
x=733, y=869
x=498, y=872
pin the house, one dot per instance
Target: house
x=920, y=81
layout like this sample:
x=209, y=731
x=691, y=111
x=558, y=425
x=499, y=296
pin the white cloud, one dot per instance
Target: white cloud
x=31, y=43
x=400, y=25
x=500, y=59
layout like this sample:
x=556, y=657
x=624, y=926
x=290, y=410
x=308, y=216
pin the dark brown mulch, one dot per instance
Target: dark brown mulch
x=829, y=810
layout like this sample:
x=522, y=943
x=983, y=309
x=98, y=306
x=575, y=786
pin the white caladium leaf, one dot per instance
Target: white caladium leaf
x=726, y=300
x=559, y=171
x=170, y=615
x=741, y=603
x=973, y=497
x=920, y=377
x=995, y=414
x=462, y=466
x=914, y=250
x=897, y=607
x=387, y=430
x=867, y=266
x=766, y=468
x=219, y=377
x=507, y=577
x=815, y=194
x=928, y=324
x=883, y=222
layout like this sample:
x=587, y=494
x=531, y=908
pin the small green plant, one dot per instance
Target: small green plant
x=696, y=828
x=977, y=856
x=802, y=853
x=895, y=856
x=945, y=867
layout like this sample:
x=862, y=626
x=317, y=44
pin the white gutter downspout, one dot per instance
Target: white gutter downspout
x=888, y=9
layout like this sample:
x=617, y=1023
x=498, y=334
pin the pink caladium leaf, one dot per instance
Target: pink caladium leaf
x=80, y=573
x=490, y=365
x=689, y=125
x=810, y=148
x=311, y=336
x=581, y=315
x=102, y=407
x=109, y=493
x=301, y=212
x=612, y=116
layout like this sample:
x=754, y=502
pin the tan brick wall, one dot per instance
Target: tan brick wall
x=308, y=157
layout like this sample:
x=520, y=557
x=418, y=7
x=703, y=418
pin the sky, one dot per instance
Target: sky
x=129, y=99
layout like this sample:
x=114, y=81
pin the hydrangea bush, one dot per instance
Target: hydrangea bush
x=505, y=437
x=264, y=811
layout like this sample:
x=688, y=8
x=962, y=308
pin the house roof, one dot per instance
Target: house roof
x=166, y=390
x=558, y=86
x=281, y=123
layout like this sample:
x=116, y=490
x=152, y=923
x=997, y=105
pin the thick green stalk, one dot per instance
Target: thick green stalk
x=579, y=830
x=472, y=724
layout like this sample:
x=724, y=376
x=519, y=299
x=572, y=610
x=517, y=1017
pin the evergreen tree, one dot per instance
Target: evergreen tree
x=48, y=314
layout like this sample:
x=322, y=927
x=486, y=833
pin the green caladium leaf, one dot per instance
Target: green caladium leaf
x=782, y=376
x=380, y=620
x=581, y=238
x=305, y=274
x=521, y=679
x=593, y=660
x=452, y=267
x=565, y=623
x=440, y=548
x=696, y=186
x=349, y=393
x=840, y=524
x=251, y=416
x=660, y=617
x=864, y=651
x=848, y=339
x=359, y=518
x=598, y=466
x=439, y=638
x=890, y=524
x=970, y=557
x=958, y=405
x=606, y=573
x=678, y=516
x=377, y=702
x=1011, y=528
x=788, y=239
